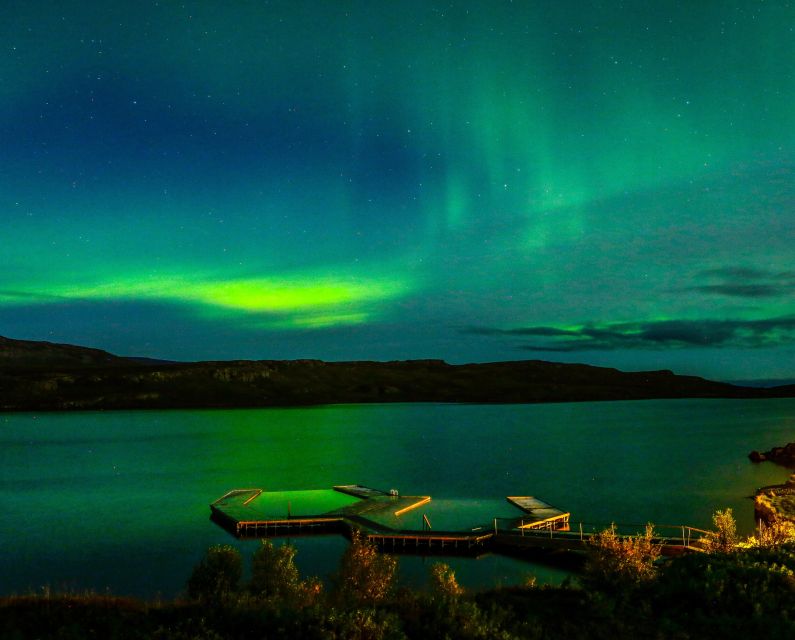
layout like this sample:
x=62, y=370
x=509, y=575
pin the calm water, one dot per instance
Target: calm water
x=120, y=500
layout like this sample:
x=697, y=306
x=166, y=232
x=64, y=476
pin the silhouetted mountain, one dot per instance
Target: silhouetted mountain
x=764, y=382
x=24, y=354
x=43, y=376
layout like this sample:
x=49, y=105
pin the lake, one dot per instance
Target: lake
x=119, y=500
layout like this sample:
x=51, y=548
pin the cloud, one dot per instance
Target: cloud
x=746, y=282
x=736, y=273
x=654, y=335
x=745, y=290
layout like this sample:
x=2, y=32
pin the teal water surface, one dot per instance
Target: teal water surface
x=119, y=500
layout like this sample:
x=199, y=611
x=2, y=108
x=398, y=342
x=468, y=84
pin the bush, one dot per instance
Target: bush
x=617, y=563
x=444, y=583
x=273, y=570
x=217, y=576
x=724, y=539
x=774, y=534
x=274, y=576
x=362, y=624
x=365, y=577
x=745, y=593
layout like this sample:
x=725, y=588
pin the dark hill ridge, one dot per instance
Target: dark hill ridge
x=79, y=378
x=15, y=354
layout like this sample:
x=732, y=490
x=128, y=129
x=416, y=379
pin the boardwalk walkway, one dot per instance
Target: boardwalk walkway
x=513, y=540
x=673, y=540
x=375, y=514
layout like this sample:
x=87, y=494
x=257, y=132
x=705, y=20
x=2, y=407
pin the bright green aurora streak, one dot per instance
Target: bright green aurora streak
x=606, y=182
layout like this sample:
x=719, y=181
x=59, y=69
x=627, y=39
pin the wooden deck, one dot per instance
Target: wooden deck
x=375, y=514
x=450, y=542
x=359, y=491
x=672, y=540
x=253, y=512
x=386, y=504
x=267, y=528
x=540, y=515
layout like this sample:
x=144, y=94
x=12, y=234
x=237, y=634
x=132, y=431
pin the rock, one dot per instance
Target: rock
x=785, y=456
x=774, y=504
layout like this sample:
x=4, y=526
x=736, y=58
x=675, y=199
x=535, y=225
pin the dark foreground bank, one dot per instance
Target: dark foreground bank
x=39, y=376
x=624, y=592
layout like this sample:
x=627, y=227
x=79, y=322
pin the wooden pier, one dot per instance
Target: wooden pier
x=299, y=526
x=376, y=515
x=540, y=515
x=672, y=540
x=360, y=491
x=448, y=543
x=255, y=513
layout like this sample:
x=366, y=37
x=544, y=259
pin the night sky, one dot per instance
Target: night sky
x=603, y=182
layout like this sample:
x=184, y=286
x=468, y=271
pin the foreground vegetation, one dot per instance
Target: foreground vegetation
x=738, y=589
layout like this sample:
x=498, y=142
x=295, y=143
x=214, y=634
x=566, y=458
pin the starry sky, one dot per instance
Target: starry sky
x=608, y=182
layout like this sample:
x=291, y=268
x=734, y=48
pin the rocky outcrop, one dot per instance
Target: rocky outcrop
x=776, y=503
x=785, y=456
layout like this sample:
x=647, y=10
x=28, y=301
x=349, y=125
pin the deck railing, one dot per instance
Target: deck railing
x=683, y=536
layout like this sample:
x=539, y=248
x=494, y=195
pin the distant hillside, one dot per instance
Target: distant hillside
x=23, y=354
x=764, y=382
x=44, y=376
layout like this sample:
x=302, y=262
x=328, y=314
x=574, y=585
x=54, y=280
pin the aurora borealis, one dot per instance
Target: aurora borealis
x=603, y=182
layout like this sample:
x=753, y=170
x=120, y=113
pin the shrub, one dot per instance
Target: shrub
x=362, y=624
x=365, y=577
x=217, y=576
x=615, y=562
x=746, y=593
x=774, y=534
x=444, y=583
x=724, y=539
x=275, y=576
x=273, y=570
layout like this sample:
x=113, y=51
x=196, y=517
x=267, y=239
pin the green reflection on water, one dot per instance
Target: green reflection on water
x=120, y=499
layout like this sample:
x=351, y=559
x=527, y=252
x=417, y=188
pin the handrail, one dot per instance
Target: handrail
x=256, y=493
x=583, y=534
x=699, y=530
x=420, y=533
x=235, y=492
x=600, y=526
x=425, y=535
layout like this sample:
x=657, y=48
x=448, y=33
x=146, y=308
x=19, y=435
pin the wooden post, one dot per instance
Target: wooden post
x=495, y=526
x=581, y=532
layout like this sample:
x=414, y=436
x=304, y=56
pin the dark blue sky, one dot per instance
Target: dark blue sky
x=598, y=182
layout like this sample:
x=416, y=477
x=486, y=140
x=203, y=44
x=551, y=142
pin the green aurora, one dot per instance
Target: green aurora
x=605, y=182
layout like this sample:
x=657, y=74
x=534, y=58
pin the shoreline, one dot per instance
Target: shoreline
x=776, y=502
